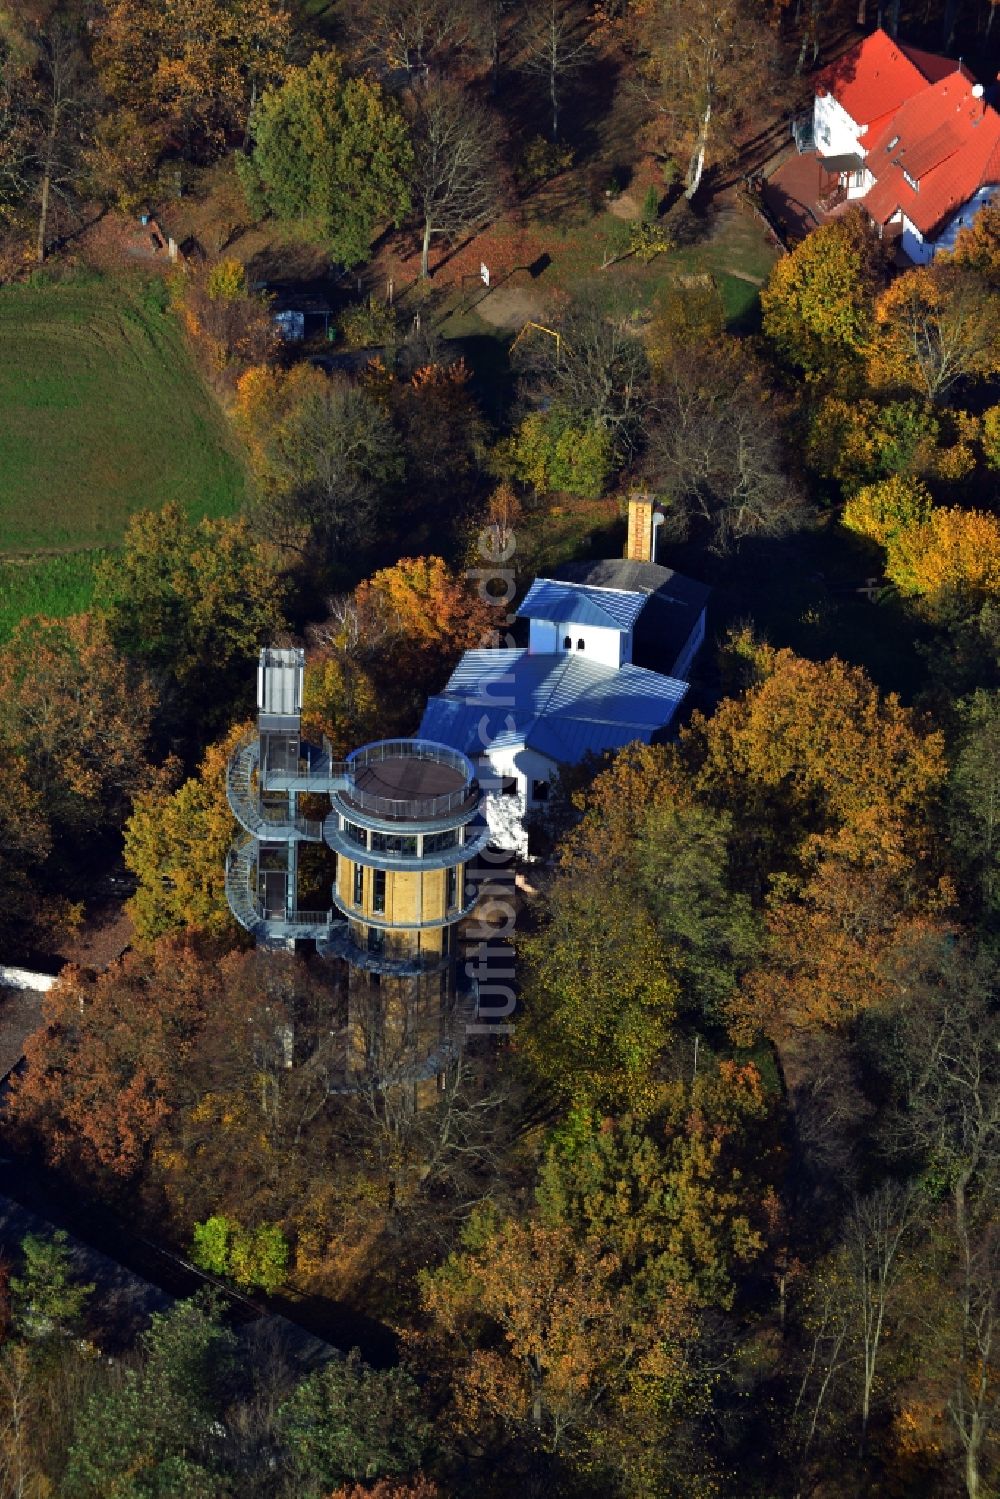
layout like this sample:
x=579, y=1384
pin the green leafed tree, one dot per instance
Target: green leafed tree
x=47, y=1297
x=331, y=154
x=156, y=1432
x=347, y=1422
x=193, y=601
x=250, y=1256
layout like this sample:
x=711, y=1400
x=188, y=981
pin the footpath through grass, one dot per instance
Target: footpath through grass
x=102, y=413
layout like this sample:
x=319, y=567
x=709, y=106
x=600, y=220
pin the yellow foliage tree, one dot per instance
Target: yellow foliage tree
x=176, y=847
x=953, y=556
x=818, y=303
x=880, y=511
x=934, y=327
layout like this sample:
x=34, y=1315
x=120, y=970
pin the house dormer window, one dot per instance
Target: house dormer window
x=893, y=143
x=915, y=185
x=567, y=643
x=579, y=645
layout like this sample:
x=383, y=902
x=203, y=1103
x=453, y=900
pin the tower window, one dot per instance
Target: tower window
x=359, y=884
x=378, y=890
x=452, y=888
x=567, y=643
x=376, y=939
x=540, y=791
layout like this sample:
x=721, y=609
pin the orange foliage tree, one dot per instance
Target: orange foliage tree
x=547, y=1344
x=108, y=1062
x=950, y=560
x=384, y=649
x=78, y=717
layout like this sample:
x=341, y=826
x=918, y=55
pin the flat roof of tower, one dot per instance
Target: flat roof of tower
x=410, y=780
x=404, y=779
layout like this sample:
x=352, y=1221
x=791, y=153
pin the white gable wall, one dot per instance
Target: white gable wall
x=606, y=647
x=836, y=133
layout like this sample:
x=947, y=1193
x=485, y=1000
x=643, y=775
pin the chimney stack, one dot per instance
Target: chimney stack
x=645, y=517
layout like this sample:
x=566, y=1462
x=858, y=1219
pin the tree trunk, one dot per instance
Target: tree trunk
x=425, y=251
x=862, y=16
x=43, y=216
x=696, y=165
x=43, y=212
x=553, y=95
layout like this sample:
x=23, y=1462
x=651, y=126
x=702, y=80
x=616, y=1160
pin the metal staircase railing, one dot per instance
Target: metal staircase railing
x=243, y=796
x=251, y=913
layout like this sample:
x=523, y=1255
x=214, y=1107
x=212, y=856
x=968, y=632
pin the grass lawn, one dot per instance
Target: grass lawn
x=102, y=413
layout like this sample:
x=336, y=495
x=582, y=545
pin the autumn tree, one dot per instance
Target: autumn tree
x=185, y=76
x=699, y=63
x=80, y=716
x=454, y=181
x=818, y=305
x=104, y=1069
x=389, y=645
x=557, y=43
x=716, y=448
x=977, y=245
x=882, y=511
x=934, y=328
x=176, y=846
x=331, y=157
x=677, y=1200
x=550, y=1347
x=193, y=601
x=812, y=748
x=950, y=561
x=444, y=439
x=325, y=457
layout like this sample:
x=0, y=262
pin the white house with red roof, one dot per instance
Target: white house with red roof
x=909, y=135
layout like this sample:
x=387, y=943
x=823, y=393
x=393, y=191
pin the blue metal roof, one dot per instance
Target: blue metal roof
x=561, y=705
x=581, y=604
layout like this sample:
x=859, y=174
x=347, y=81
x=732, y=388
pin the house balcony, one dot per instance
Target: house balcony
x=801, y=194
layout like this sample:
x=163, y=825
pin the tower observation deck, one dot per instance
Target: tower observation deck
x=405, y=818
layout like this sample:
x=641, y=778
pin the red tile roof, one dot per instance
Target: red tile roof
x=873, y=78
x=947, y=141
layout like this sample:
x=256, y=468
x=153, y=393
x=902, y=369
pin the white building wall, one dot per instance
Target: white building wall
x=506, y=811
x=836, y=133
x=607, y=647
x=920, y=250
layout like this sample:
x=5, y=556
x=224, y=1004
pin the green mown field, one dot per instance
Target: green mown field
x=102, y=413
